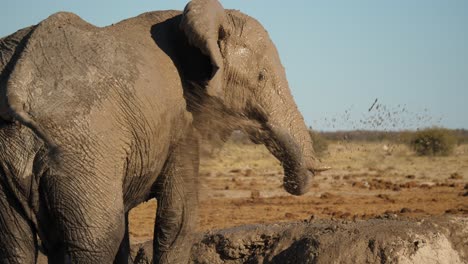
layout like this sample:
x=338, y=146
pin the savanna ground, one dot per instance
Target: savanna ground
x=242, y=184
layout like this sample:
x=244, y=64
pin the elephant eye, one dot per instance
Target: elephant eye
x=262, y=75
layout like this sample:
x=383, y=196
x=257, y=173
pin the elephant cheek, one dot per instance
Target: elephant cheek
x=298, y=183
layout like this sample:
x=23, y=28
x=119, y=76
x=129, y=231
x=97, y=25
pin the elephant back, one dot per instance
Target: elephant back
x=67, y=67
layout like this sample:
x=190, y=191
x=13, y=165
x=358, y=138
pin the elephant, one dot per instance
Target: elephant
x=96, y=120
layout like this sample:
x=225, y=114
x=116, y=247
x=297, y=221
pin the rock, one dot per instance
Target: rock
x=327, y=195
x=249, y=172
x=255, y=194
x=363, y=184
x=405, y=210
x=290, y=215
x=455, y=176
x=410, y=184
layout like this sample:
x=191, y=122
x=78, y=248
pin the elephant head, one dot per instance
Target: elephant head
x=245, y=88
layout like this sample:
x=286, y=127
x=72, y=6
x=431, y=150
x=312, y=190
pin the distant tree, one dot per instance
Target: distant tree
x=433, y=141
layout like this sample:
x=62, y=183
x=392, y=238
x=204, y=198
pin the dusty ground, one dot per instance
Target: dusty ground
x=242, y=185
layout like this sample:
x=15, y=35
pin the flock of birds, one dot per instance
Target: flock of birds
x=380, y=117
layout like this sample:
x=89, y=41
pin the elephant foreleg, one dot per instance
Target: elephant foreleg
x=177, y=205
x=90, y=221
x=123, y=255
x=17, y=239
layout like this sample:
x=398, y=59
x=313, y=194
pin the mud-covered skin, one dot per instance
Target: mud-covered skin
x=94, y=121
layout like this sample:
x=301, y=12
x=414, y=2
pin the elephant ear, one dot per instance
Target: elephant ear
x=201, y=22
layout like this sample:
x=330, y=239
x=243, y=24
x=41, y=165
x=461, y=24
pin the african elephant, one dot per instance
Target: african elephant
x=95, y=121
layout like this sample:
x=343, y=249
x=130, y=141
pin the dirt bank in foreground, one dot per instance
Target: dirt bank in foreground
x=381, y=240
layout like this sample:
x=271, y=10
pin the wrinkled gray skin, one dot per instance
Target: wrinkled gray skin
x=95, y=121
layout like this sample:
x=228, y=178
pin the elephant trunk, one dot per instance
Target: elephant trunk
x=289, y=141
x=293, y=147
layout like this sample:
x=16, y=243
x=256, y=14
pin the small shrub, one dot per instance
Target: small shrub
x=433, y=142
x=319, y=142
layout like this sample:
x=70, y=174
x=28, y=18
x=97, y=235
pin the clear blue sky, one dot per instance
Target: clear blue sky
x=339, y=55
